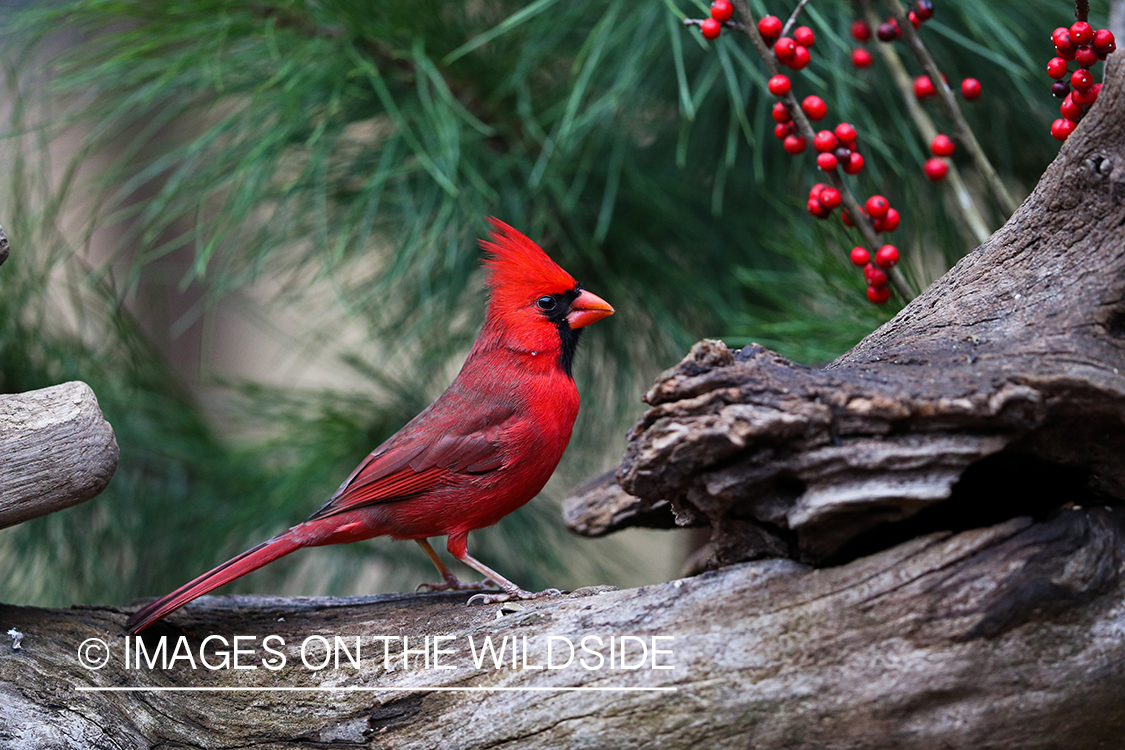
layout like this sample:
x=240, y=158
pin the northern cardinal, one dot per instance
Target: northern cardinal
x=484, y=448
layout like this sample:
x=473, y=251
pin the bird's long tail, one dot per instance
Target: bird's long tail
x=250, y=560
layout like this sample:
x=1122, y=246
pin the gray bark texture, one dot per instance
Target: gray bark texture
x=921, y=545
x=57, y=451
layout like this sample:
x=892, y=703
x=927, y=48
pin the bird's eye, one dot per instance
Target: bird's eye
x=546, y=304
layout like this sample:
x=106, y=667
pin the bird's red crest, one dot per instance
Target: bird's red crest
x=518, y=269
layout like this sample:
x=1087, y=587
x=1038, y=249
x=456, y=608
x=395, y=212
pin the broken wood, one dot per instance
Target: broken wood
x=57, y=451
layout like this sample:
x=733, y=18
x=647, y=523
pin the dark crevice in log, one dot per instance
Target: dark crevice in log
x=994, y=489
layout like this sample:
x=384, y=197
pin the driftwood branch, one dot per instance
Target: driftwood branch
x=57, y=451
x=1006, y=637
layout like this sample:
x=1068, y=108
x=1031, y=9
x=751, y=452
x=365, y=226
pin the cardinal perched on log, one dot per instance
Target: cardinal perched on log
x=484, y=448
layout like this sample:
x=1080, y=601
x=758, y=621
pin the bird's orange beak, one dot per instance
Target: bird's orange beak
x=586, y=309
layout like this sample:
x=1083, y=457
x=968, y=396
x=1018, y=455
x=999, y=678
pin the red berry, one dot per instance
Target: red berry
x=846, y=219
x=924, y=9
x=815, y=208
x=800, y=59
x=942, y=145
x=924, y=87
x=1056, y=68
x=891, y=220
x=1081, y=33
x=846, y=133
x=854, y=164
x=878, y=294
x=1085, y=98
x=826, y=162
x=861, y=58
x=1104, y=43
x=769, y=27
x=780, y=112
x=935, y=169
x=779, y=85
x=1081, y=79
x=830, y=197
x=1066, y=53
x=814, y=107
x=1070, y=110
x=860, y=256
x=816, y=190
x=711, y=28
x=783, y=129
x=784, y=48
x=877, y=206
x=1086, y=56
x=825, y=140
x=915, y=21
x=722, y=10
x=861, y=32
x=1060, y=37
x=888, y=31
x=874, y=275
x=886, y=256
x=1059, y=89
x=1061, y=128
x=970, y=88
x=804, y=36
x=794, y=144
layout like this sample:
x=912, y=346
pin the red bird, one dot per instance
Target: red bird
x=484, y=448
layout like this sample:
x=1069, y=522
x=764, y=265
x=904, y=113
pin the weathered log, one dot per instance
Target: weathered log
x=1005, y=637
x=57, y=451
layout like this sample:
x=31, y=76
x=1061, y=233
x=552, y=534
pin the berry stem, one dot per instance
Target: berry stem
x=961, y=127
x=977, y=226
x=1081, y=10
x=793, y=18
x=805, y=128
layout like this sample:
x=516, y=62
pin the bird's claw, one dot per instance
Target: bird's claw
x=507, y=596
x=455, y=584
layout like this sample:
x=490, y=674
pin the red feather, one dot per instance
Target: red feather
x=484, y=448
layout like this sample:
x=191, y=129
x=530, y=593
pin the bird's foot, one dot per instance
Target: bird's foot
x=507, y=596
x=453, y=583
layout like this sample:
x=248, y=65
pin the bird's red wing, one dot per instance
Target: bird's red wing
x=401, y=471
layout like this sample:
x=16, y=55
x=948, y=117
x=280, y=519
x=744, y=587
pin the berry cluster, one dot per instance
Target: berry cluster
x=888, y=31
x=721, y=12
x=936, y=168
x=1086, y=47
x=837, y=148
x=793, y=52
x=875, y=269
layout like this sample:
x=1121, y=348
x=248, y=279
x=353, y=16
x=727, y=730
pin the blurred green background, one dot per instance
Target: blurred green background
x=251, y=228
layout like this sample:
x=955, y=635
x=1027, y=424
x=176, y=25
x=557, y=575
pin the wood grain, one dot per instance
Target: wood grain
x=57, y=451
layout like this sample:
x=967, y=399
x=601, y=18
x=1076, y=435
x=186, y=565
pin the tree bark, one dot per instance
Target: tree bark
x=57, y=450
x=1005, y=637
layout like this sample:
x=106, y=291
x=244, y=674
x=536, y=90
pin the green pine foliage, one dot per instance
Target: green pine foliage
x=361, y=145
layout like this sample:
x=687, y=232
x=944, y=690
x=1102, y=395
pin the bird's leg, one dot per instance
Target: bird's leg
x=449, y=581
x=458, y=546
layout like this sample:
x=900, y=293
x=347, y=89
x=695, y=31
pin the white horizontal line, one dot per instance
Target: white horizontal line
x=347, y=689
